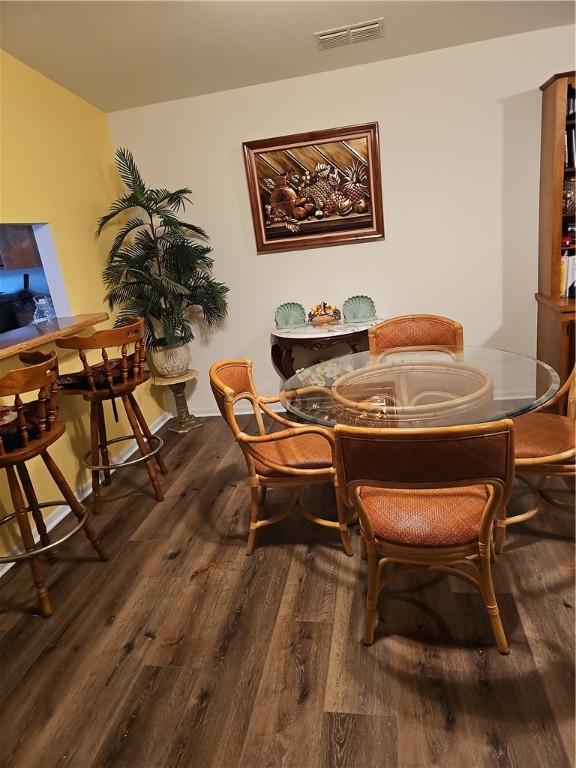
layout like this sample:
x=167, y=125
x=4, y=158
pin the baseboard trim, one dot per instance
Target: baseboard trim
x=61, y=512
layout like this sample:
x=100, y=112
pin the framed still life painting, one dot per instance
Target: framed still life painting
x=314, y=189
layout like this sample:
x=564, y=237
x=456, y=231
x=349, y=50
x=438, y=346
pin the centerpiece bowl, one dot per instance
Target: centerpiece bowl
x=324, y=314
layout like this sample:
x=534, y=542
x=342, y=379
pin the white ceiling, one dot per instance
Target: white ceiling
x=125, y=54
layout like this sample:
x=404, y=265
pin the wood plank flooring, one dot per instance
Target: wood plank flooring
x=183, y=652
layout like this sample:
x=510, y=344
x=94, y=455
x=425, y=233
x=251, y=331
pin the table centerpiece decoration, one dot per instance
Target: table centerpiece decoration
x=324, y=314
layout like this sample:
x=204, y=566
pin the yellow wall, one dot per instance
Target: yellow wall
x=56, y=166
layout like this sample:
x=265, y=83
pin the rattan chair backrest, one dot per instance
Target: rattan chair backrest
x=231, y=381
x=434, y=457
x=415, y=331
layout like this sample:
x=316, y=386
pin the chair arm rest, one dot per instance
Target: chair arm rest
x=276, y=416
x=287, y=433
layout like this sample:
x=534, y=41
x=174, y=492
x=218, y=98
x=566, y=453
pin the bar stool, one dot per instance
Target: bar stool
x=113, y=378
x=26, y=431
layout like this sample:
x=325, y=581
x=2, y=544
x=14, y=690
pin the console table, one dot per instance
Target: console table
x=284, y=341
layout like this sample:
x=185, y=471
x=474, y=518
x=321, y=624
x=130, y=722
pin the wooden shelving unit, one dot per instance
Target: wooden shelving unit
x=556, y=313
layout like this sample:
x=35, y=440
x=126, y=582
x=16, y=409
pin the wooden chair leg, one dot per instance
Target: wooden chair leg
x=95, y=457
x=489, y=597
x=143, y=446
x=30, y=494
x=146, y=429
x=73, y=503
x=371, y=608
x=254, y=509
x=28, y=542
x=103, y=441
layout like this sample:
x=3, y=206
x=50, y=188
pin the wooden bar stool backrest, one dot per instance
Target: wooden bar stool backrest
x=440, y=457
x=120, y=373
x=415, y=331
x=231, y=382
x=39, y=375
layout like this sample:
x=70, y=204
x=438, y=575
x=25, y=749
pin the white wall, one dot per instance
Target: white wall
x=459, y=135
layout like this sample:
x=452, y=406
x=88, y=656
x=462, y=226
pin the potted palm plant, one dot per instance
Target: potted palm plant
x=159, y=268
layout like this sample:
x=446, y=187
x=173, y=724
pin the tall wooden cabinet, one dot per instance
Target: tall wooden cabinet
x=556, y=313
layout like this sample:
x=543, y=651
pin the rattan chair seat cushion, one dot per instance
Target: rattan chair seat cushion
x=299, y=452
x=538, y=435
x=79, y=380
x=426, y=518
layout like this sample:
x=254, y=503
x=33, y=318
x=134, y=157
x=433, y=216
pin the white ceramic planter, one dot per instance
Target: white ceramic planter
x=171, y=361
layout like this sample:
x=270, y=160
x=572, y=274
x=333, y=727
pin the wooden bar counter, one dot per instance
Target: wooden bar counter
x=35, y=335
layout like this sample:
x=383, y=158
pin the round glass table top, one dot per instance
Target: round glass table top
x=419, y=387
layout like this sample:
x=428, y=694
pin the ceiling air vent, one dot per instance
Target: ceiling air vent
x=356, y=33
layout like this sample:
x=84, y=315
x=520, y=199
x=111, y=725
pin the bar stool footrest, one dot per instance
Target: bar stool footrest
x=40, y=550
x=129, y=462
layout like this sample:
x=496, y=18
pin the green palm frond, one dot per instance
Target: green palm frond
x=128, y=171
x=123, y=233
x=146, y=241
x=176, y=200
x=127, y=291
x=124, y=203
x=169, y=221
x=210, y=296
x=184, y=259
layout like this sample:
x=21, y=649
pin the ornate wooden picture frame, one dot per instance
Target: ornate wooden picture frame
x=315, y=189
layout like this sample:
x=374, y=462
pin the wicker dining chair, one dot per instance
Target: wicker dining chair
x=415, y=331
x=427, y=498
x=545, y=446
x=294, y=456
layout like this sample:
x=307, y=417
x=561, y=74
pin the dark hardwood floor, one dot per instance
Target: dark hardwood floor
x=182, y=651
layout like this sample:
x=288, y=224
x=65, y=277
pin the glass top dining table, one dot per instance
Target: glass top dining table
x=419, y=387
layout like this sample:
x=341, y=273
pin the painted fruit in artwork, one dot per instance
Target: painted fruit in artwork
x=355, y=184
x=331, y=204
x=361, y=206
x=282, y=197
x=344, y=207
